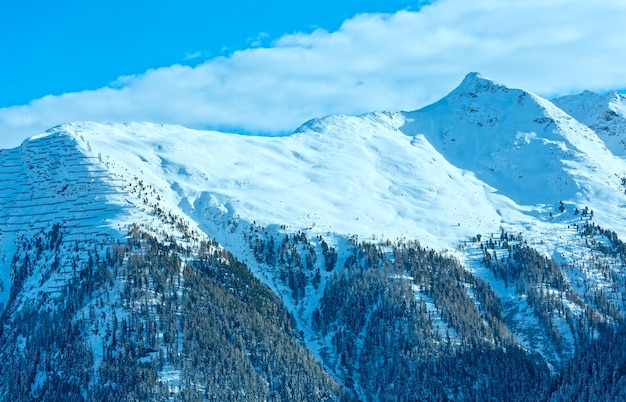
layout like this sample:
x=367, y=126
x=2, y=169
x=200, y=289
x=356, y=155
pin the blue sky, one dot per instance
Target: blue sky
x=54, y=47
x=267, y=67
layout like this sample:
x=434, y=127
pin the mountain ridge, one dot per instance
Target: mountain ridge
x=605, y=114
x=500, y=128
x=342, y=205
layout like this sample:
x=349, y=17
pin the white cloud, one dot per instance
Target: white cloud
x=373, y=62
x=197, y=55
x=258, y=40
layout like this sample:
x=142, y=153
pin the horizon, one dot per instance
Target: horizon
x=271, y=69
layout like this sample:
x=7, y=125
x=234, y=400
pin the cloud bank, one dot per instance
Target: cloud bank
x=400, y=61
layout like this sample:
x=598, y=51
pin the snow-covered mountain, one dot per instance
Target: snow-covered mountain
x=496, y=178
x=604, y=113
x=520, y=144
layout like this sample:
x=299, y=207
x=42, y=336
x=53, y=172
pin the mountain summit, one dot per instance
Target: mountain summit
x=475, y=83
x=372, y=250
x=519, y=143
x=605, y=114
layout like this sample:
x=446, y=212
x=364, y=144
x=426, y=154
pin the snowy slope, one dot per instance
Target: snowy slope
x=482, y=152
x=519, y=143
x=58, y=179
x=484, y=159
x=345, y=175
x=49, y=182
x=350, y=175
x=605, y=114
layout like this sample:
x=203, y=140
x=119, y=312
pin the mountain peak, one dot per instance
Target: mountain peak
x=473, y=76
x=513, y=140
x=617, y=100
x=603, y=113
x=475, y=83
